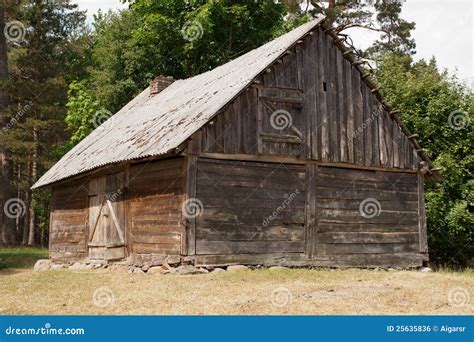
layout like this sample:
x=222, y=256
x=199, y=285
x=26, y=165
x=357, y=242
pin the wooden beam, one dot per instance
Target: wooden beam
x=190, y=223
x=422, y=215
x=294, y=160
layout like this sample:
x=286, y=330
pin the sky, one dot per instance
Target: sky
x=444, y=29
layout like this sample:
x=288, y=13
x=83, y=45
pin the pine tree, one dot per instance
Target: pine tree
x=396, y=32
x=39, y=64
x=7, y=223
x=382, y=16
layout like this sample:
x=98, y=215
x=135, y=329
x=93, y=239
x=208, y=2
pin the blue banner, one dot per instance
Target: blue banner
x=237, y=328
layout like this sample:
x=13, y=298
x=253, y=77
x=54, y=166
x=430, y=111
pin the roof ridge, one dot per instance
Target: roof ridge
x=173, y=115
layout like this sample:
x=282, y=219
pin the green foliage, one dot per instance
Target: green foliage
x=176, y=38
x=40, y=204
x=37, y=84
x=440, y=110
x=40, y=64
x=396, y=32
x=380, y=15
x=81, y=112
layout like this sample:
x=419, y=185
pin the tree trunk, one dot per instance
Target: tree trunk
x=33, y=174
x=293, y=6
x=25, y=224
x=7, y=224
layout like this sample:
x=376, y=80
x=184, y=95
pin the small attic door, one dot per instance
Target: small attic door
x=281, y=126
x=106, y=218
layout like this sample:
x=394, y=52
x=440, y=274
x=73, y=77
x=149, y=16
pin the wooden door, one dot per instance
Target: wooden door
x=106, y=218
x=281, y=125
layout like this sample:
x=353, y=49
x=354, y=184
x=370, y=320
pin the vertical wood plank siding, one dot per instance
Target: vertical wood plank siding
x=341, y=119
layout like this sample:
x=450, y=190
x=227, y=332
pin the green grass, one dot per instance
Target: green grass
x=21, y=257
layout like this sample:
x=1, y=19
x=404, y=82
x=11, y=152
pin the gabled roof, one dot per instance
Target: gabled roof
x=150, y=126
x=155, y=125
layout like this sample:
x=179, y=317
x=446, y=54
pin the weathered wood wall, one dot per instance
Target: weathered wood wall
x=326, y=216
x=155, y=195
x=250, y=208
x=67, y=241
x=328, y=117
x=362, y=215
x=339, y=118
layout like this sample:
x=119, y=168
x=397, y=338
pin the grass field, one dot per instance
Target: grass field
x=20, y=257
x=260, y=292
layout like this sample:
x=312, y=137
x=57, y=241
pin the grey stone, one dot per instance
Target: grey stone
x=78, y=266
x=236, y=268
x=218, y=270
x=138, y=271
x=425, y=269
x=155, y=270
x=58, y=266
x=42, y=265
x=173, y=260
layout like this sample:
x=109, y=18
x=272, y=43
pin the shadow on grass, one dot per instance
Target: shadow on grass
x=20, y=257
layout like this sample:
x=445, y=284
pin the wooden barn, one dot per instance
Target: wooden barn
x=287, y=155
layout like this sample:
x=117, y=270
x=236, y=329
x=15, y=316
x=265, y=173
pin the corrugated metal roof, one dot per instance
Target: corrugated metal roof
x=154, y=125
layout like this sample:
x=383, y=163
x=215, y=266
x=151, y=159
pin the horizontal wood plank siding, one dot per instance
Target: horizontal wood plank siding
x=68, y=224
x=250, y=208
x=155, y=194
x=366, y=212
